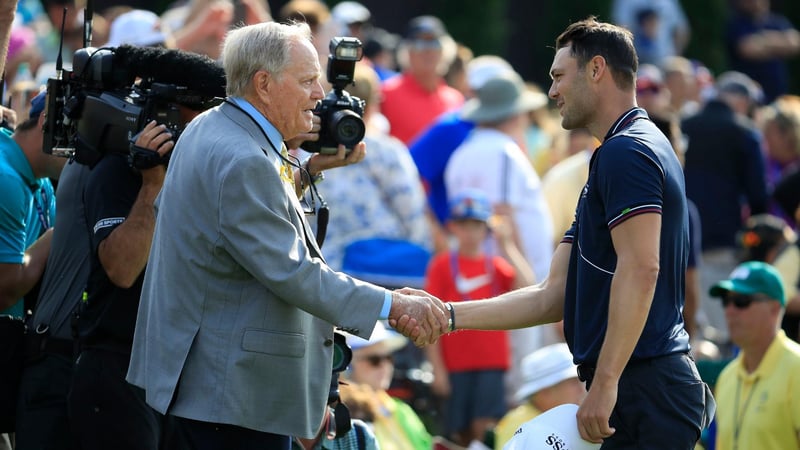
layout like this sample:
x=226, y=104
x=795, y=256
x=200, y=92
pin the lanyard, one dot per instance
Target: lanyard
x=43, y=211
x=738, y=417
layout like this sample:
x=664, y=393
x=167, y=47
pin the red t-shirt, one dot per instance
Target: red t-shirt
x=410, y=109
x=471, y=349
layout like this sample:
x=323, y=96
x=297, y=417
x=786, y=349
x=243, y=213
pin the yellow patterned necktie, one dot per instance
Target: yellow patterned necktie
x=287, y=174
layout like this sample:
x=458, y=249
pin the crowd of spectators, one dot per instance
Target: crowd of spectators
x=440, y=122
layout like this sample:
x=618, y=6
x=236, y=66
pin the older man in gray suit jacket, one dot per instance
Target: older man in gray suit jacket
x=235, y=327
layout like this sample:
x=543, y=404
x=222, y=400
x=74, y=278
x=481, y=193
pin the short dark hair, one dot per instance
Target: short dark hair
x=590, y=38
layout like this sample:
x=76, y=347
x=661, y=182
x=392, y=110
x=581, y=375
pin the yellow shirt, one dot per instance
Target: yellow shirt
x=761, y=410
x=509, y=424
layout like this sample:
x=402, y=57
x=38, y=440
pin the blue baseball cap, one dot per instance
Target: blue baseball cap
x=37, y=104
x=471, y=204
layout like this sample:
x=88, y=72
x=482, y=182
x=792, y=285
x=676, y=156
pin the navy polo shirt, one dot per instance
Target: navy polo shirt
x=635, y=171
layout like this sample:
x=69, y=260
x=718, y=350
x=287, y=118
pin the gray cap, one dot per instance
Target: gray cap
x=501, y=97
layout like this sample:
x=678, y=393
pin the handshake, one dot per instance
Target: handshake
x=420, y=316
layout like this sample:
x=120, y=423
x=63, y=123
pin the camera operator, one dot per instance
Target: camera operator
x=104, y=410
x=235, y=329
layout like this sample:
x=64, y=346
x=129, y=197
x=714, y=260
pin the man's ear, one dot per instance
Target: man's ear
x=597, y=67
x=263, y=82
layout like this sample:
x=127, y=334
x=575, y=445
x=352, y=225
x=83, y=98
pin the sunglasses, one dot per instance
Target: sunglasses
x=425, y=44
x=377, y=360
x=741, y=301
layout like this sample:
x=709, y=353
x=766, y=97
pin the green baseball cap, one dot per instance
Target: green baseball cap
x=752, y=277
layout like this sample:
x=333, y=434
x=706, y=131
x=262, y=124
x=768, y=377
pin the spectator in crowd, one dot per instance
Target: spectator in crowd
x=138, y=27
x=550, y=379
x=469, y=367
x=724, y=169
x=682, y=85
x=563, y=183
x=787, y=195
x=759, y=43
x=240, y=274
x=318, y=17
x=379, y=51
x=780, y=125
x=199, y=26
x=673, y=29
x=353, y=19
x=491, y=160
x=769, y=239
x=413, y=100
x=379, y=198
x=28, y=207
x=646, y=35
x=26, y=217
x=396, y=425
x=759, y=406
x=433, y=148
x=456, y=75
x=42, y=416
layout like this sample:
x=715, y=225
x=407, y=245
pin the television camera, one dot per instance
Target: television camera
x=110, y=94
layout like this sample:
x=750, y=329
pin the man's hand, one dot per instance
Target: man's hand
x=418, y=315
x=341, y=158
x=157, y=138
x=312, y=135
x=8, y=117
x=595, y=411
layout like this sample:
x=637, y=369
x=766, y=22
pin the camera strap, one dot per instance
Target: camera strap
x=323, y=213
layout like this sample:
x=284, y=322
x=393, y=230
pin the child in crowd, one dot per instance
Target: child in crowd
x=469, y=366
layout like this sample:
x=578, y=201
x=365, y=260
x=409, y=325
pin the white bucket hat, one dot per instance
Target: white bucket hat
x=545, y=367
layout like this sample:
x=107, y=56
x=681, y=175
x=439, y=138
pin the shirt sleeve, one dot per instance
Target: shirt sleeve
x=13, y=213
x=110, y=193
x=630, y=181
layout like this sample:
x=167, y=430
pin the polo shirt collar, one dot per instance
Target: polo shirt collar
x=16, y=159
x=626, y=119
x=768, y=363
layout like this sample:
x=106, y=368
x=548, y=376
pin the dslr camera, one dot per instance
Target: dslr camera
x=339, y=112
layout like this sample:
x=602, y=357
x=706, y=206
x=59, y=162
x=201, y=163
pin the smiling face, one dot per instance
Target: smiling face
x=570, y=89
x=292, y=95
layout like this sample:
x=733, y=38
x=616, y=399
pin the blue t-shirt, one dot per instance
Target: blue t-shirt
x=432, y=150
x=27, y=209
x=634, y=171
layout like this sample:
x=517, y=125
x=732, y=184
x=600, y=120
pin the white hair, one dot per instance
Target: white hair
x=263, y=46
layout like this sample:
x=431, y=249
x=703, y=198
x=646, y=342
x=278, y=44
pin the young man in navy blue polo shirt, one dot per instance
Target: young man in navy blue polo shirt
x=617, y=277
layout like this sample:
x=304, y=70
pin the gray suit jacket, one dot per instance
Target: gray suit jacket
x=235, y=320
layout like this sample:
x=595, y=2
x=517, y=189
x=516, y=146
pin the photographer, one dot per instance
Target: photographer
x=235, y=329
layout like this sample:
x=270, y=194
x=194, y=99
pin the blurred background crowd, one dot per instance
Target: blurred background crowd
x=456, y=99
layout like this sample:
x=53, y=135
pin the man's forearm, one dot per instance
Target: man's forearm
x=7, y=10
x=124, y=252
x=19, y=279
x=632, y=291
